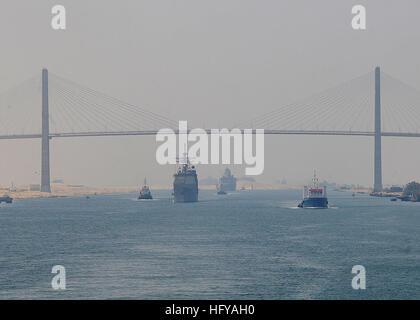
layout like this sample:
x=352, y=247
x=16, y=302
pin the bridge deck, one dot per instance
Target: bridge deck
x=154, y=132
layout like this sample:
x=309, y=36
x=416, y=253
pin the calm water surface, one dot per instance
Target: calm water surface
x=246, y=245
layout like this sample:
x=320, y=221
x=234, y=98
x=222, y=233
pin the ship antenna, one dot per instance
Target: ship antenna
x=315, y=180
x=186, y=160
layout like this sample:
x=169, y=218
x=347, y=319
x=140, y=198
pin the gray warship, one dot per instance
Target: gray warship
x=226, y=183
x=185, y=183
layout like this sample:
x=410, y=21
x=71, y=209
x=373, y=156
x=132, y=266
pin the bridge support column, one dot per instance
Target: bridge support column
x=45, y=143
x=377, y=187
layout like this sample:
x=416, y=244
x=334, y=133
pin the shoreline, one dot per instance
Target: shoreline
x=61, y=190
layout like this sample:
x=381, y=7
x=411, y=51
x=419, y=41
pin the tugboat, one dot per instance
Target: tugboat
x=185, y=182
x=314, y=197
x=6, y=199
x=145, y=193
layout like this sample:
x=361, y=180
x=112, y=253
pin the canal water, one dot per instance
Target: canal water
x=245, y=245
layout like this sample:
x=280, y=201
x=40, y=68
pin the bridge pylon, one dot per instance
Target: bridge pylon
x=377, y=186
x=45, y=139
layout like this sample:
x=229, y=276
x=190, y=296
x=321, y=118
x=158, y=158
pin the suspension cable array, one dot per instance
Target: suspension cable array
x=347, y=108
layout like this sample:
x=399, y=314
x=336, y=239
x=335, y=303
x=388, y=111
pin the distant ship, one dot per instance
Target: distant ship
x=145, y=192
x=227, y=182
x=6, y=199
x=186, y=183
x=314, y=197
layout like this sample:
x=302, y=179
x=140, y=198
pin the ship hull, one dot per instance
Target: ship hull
x=6, y=199
x=185, y=193
x=186, y=188
x=314, y=203
x=145, y=197
x=226, y=187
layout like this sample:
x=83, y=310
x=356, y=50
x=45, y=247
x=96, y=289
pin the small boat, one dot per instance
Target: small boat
x=314, y=197
x=220, y=192
x=394, y=199
x=6, y=199
x=145, y=193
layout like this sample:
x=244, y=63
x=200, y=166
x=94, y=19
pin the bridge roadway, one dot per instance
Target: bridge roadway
x=154, y=132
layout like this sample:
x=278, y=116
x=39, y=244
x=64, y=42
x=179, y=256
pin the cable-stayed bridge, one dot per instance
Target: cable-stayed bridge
x=49, y=106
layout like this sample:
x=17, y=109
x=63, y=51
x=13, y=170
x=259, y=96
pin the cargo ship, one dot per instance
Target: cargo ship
x=226, y=183
x=314, y=197
x=185, y=182
x=145, y=193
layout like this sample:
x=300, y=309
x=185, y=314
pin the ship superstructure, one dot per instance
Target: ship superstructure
x=314, y=196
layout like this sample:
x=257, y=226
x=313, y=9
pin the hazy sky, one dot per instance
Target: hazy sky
x=214, y=63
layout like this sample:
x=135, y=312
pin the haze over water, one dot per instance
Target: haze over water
x=213, y=63
x=247, y=245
